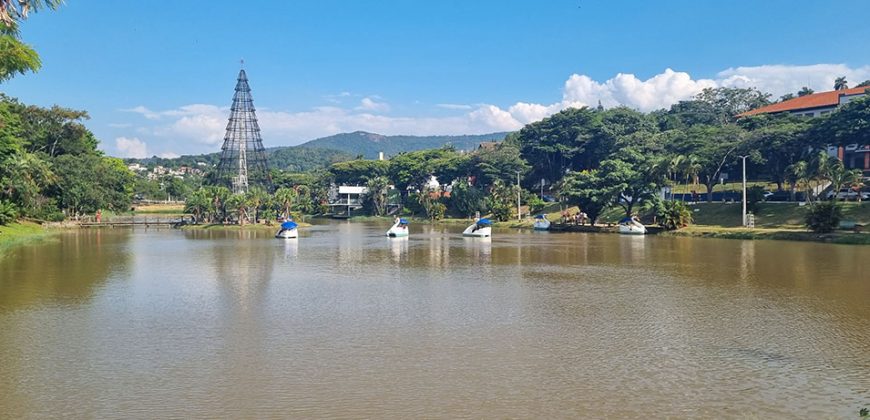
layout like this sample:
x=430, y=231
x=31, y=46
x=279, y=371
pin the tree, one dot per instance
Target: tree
x=502, y=164
x=632, y=177
x=467, y=199
x=849, y=124
x=727, y=103
x=17, y=57
x=588, y=191
x=196, y=203
x=673, y=215
x=865, y=83
x=841, y=177
x=840, y=83
x=23, y=178
x=256, y=199
x=501, y=200
x=358, y=172
x=89, y=182
x=824, y=217
x=805, y=91
x=780, y=140
x=713, y=149
x=564, y=141
x=285, y=198
x=237, y=205
x=376, y=195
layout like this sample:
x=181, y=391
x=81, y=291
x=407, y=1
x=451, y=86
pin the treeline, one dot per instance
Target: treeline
x=292, y=159
x=619, y=157
x=50, y=167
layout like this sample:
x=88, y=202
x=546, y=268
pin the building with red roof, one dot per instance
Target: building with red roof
x=822, y=103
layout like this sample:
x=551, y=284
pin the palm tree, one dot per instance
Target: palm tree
x=14, y=11
x=286, y=197
x=377, y=189
x=238, y=205
x=256, y=198
x=840, y=83
x=805, y=91
x=197, y=204
x=675, y=164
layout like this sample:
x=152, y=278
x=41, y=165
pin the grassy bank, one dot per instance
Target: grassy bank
x=841, y=237
x=20, y=233
x=218, y=226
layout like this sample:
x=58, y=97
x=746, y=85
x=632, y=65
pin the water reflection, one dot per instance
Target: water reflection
x=64, y=269
x=340, y=323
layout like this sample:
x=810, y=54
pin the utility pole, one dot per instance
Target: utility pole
x=519, y=215
x=744, y=188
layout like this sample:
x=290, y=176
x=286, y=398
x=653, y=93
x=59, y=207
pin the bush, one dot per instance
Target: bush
x=824, y=216
x=674, y=215
x=8, y=213
x=754, y=195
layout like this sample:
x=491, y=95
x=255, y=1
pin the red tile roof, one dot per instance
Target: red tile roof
x=815, y=100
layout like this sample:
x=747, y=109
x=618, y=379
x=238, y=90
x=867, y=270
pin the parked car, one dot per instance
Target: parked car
x=848, y=194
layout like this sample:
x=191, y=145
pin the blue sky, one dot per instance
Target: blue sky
x=157, y=77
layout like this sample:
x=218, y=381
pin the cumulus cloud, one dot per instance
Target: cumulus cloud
x=131, y=147
x=454, y=106
x=205, y=124
x=370, y=104
x=168, y=155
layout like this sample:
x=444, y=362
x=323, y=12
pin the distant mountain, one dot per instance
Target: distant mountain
x=322, y=152
x=293, y=159
x=369, y=144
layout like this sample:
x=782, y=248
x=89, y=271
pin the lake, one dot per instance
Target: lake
x=345, y=323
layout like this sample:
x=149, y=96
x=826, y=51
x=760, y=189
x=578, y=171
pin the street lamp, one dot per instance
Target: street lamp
x=519, y=218
x=744, y=189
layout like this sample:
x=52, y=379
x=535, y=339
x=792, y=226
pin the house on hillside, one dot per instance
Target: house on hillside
x=823, y=103
x=350, y=198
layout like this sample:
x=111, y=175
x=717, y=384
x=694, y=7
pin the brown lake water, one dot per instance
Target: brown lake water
x=345, y=323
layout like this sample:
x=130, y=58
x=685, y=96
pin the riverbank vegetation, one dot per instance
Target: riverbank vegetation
x=600, y=161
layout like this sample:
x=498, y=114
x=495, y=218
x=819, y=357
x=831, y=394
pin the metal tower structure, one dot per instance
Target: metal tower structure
x=243, y=159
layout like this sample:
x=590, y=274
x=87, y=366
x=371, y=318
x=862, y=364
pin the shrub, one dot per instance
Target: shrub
x=8, y=213
x=754, y=195
x=824, y=216
x=674, y=215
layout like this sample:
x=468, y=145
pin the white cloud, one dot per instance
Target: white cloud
x=369, y=103
x=781, y=79
x=131, y=147
x=454, y=106
x=168, y=155
x=203, y=124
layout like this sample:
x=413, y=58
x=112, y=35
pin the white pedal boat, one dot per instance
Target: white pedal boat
x=480, y=229
x=288, y=230
x=541, y=222
x=399, y=229
x=630, y=226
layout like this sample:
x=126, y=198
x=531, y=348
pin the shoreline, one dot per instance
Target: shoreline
x=23, y=233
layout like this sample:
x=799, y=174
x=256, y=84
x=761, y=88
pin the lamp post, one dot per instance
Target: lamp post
x=744, y=188
x=519, y=215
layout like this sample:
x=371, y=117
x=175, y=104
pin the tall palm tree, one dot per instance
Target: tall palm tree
x=840, y=83
x=197, y=204
x=285, y=197
x=14, y=11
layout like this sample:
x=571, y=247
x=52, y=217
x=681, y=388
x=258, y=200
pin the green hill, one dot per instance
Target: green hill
x=292, y=159
x=322, y=152
x=369, y=144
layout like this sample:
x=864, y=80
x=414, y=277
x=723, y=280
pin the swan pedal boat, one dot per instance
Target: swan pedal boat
x=480, y=229
x=541, y=222
x=631, y=227
x=288, y=231
x=399, y=229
